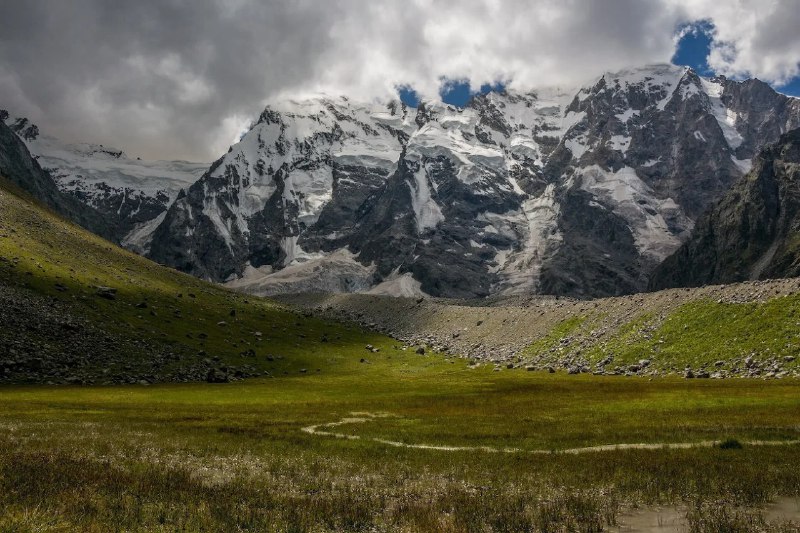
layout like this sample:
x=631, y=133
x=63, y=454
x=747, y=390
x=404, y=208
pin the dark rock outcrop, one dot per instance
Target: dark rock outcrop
x=17, y=166
x=752, y=233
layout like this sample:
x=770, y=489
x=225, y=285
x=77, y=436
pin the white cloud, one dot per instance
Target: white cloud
x=176, y=79
x=757, y=38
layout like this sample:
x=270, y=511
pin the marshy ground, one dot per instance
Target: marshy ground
x=235, y=456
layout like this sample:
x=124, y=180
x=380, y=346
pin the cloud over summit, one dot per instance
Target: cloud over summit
x=180, y=78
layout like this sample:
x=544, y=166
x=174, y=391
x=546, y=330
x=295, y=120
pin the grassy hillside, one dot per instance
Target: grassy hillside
x=747, y=329
x=76, y=308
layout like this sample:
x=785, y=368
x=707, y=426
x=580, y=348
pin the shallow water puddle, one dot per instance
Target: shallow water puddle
x=659, y=519
x=671, y=519
x=783, y=509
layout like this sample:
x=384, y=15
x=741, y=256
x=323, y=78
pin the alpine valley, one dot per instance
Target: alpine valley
x=502, y=369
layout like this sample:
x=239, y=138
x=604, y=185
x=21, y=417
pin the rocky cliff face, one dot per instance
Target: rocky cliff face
x=752, y=233
x=132, y=195
x=580, y=192
x=20, y=168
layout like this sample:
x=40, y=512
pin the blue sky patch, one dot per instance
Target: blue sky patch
x=692, y=51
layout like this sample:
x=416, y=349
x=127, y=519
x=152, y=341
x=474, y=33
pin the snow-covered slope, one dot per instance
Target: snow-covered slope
x=132, y=194
x=578, y=191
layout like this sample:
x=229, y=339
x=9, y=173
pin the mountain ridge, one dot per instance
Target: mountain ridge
x=579, y=193
x=751, y=233
x=131, y=194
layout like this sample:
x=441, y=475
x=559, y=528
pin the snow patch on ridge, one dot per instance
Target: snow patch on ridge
x=726, y=118
x=637, y=203
x=427, y=212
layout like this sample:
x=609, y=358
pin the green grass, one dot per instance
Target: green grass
x=702, y=332
x=39, y=251
x=233, y=456
x=551, y=342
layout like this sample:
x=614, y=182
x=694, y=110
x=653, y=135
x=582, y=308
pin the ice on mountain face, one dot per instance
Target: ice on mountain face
x=298, y=187
x=473, y=160
x=577, y=146
x=139, y=239
x=86, y=166
x=295, y=253
x=619, y=143
x=537, y=225
x=726, y=118
x=134, y=194
x=745, y=165
x=534, y=228
x=301, y=138
x=626, y=115
x=427, y=212
x=628, y=196
x=310, y=190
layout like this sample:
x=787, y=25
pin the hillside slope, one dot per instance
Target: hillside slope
x=17, y=165
x=75, y=308
x=748, y=329
x=752, y=233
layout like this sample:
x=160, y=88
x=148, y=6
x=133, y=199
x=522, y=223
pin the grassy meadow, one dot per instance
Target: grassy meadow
x=234, y=457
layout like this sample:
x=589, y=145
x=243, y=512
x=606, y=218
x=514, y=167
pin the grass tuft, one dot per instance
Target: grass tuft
x=730, y=444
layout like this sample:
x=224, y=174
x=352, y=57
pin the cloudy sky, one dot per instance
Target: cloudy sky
x=181, y=78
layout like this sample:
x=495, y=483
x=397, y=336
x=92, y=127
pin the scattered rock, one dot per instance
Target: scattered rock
x=109, y=293
x=216, y=375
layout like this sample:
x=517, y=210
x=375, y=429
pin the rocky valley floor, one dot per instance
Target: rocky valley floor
x=746, y=329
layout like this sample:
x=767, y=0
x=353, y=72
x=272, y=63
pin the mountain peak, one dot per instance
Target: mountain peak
x=569, y=191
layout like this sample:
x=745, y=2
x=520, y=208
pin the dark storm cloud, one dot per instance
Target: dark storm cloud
x=157, y=77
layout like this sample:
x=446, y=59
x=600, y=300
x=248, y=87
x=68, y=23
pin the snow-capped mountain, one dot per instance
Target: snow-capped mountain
x=578, y=191
x=133, y=195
